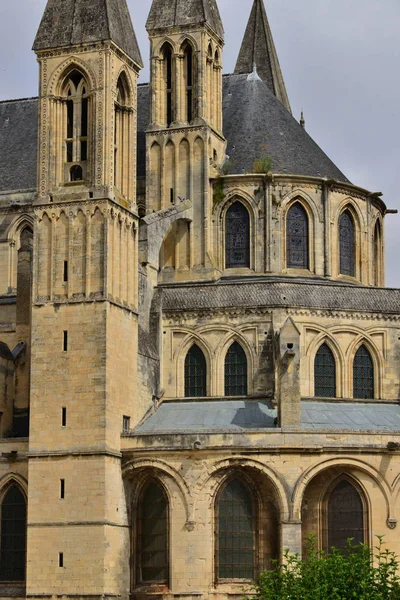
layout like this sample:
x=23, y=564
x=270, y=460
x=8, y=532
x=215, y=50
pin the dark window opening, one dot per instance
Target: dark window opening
x=168, y=81
x=65, y=341
x=189, y=83
x=363, y=375
x=377, y=254
x=297, y=251
x=76, y=173
x=235, y=535
x=345, y=516
x=69, y=152
x=70, y=119
x=60, y=559
x=84, y=120
x=237, y=242
x=13, y=536
x=126, y=423
x=83, y=150
x=171, y=195
x=62, y=489
x=195, y=373
x=325, y=373
x=152, y=539
x=63, y=416
x=347, y=245
x=76, y=78
x=65, y=274
x=236, y=371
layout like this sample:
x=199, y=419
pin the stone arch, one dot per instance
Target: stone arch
x=230, y=338
x=59, y=76
x=221, y=211
x=158, y=49
x=350, y=206
x=11, y=479
x=345, y=464
x=327, y=338
x=18, y=225
x=312, y=216
x=124, y=77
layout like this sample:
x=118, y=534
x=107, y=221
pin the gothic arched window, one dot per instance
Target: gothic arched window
x=13, y=536
x=237, y=243
x=189, y=80
x=235, y=371
x=235, y=532
x=122, y=126
x=167, y=54
x=195, y=373
x=77, y=117
x=297, y=251
x=377, y=253
x=345, y=515
x=363, y=375
x=152, y=535
x=347, y=244
x=325, y=373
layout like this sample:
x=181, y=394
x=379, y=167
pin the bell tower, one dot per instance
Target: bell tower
x=185, y=143
x=84, y=300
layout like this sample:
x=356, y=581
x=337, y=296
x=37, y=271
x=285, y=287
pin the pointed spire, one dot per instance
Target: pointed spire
x=302, y=120
x=258, y=47
x=73, y=22
x=175, y=13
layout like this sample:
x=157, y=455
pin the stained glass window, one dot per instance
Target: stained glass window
x=13, y=536
x=195, y=373
x=297, y=238
x=236, y=371
x=235, y=536
x=347, y=244
x=237, y=237
x=345, y=516
x=363, y=375
x=325, y=373
x=152, y=542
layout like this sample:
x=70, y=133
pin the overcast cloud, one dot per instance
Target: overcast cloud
x=340, y=60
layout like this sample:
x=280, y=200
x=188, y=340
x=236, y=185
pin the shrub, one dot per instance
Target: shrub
x=354, y=573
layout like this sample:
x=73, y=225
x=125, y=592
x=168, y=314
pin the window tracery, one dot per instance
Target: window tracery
x=325, y=373
x=237, y=242
x=235, y=532
x=297, y=238
x=152, y=535
x=363, y=375
x=195, y=373
x=347, y=244
x=76, y=120
x=345, y=515
x=236, y=371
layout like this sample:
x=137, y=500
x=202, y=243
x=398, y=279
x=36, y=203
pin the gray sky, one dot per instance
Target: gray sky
x=340, y=60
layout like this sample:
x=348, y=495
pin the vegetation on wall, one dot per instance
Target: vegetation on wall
x=358, y=573
x=263, y=164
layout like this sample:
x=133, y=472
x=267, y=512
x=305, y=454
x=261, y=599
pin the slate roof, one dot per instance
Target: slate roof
x=173, y=13
x=18, y=144
x=70, y=22
x=258, y=49
x=236, y=415
x=257, y=125
x=279, y=292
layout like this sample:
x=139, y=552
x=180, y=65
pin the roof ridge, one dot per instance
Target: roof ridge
x=10, y=100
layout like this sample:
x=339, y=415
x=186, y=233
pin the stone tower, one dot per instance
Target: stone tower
x=84, y=318
x=185, y=143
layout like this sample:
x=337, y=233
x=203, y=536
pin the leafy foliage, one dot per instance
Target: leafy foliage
x=219, y=190
x=354, y=573
x=262, y=165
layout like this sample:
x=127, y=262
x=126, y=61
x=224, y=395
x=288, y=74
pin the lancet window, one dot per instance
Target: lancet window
x=13, y=536
x=77, y=122
x=347, y=244
x=152, y=535
x=237, y=234
x=168, y=75
x=297, y=238
x=363, y=375
x=325, y=373
x=235, y=371
x=122, y=126
x=377, y=254
x=195, y=373
x=189, y=81
x=235, y=536
x=345, y=515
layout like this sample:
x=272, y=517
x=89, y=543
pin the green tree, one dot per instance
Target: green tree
x=358, y=572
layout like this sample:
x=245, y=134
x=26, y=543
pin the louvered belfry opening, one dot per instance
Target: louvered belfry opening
x=325, y=373
x=347, y=245
x=195, y=373
x=237, y=234
x=345, y=515
x=297, y=238
x=235, y=535
x=152, y=535
x=363, y=375
x=13, y=536
x=236, y=371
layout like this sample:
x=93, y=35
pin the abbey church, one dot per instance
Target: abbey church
x=199, y=360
